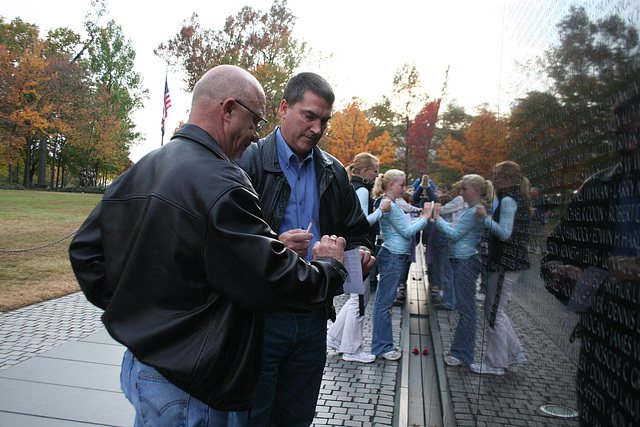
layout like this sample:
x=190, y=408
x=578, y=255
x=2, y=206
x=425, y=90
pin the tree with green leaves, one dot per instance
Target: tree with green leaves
x=260, y=42
x=589, y=67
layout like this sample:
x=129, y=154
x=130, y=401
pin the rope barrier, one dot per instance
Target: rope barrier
x=39, y=247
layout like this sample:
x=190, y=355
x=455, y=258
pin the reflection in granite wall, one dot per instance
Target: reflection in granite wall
x=573, y=129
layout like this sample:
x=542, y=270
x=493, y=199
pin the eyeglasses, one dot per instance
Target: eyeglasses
x=261, y=120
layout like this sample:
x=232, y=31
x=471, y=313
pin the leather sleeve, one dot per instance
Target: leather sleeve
x=259, y=273
x=87, y=261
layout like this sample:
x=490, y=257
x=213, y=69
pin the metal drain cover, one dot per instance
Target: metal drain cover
x=559, y=411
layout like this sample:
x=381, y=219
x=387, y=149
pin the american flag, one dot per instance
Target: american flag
x=167, y=103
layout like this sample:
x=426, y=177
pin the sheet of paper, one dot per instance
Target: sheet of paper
x=353, y=284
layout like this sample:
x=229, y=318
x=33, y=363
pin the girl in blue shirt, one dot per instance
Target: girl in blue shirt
x=396, y=232
x=464, y=236
x=508, y=258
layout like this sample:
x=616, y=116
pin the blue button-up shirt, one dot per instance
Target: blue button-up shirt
x=303, y=203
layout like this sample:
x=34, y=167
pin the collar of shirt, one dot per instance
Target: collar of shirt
x=303, y=204
x=287, y=158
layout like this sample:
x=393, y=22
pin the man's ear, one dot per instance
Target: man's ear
x=228, y=105
x=284, y=109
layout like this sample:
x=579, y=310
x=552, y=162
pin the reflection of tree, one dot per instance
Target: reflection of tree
x=453, y=122
x=562, y=136
x=481, y=146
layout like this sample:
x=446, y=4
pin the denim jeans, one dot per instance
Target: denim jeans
x=465, y=274
x=160, y=403
x=391, y=267
x=443, y=271
x=295, y=352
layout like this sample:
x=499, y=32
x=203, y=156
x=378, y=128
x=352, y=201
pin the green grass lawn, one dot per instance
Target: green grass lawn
x=30, y=219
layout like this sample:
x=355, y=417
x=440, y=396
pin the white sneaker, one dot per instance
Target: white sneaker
x=333, y=343
x=452, y=360
x=392, y=355
x=518, y=358
x=362, y=357
x=482, y=368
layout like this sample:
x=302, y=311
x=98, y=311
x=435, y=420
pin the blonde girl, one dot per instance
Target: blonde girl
x=464, y=236
x=396, y=248
x=509, y=231
x=346, y=334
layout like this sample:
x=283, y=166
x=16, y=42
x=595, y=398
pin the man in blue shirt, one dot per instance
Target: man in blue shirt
x=300, y=186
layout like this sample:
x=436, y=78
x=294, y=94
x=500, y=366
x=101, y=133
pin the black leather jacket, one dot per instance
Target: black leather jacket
x=179, y=256
x=339, y=213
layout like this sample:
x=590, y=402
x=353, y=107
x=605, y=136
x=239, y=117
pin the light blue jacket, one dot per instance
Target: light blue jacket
x=464, y=235
x=397, y=231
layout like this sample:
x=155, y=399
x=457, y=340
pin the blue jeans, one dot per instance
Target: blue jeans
x=443, y=271
x=160, y=403
x=295, y=352
x=391, y=267
x=465, y=274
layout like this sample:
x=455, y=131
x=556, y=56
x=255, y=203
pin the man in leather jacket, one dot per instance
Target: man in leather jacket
x=299, y=184
x=179, y=256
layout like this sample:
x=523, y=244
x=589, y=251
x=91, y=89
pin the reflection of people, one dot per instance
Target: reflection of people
x=396, y=233
x=464, y=236
x=508, y=256
x=443, y=270
x=346, y=333
x=593, y=266
x=180, y=259
x=542, y=210
x=299, y=183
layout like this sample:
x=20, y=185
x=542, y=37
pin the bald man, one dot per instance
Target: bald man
x=179, y=256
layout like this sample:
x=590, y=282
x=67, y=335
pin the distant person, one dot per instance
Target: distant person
x=509, y=231
x=464, y=236
x=541, y=211
x=346, y=333
x=396, y=233
x=300, y=185
x=599, y=277
x=425, y=192
x=179, y=256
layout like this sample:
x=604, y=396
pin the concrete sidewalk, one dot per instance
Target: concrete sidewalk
x=59, y=367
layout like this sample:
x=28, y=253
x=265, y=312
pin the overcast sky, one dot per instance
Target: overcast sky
x=368, y=42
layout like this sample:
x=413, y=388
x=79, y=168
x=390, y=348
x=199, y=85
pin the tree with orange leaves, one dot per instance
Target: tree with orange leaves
x=348, y=134
x=483, y=145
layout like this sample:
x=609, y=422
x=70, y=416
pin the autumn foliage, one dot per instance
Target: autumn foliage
x=483, y=145
x=60, y=112
x=421, y=133
x=349, y=133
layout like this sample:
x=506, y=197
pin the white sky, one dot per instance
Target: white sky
x=369, y=41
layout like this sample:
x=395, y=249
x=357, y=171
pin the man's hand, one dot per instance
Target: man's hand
x=624, y=267
x=331, y=246
x=297, y=240
x=567, y=273
x=367, y=260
